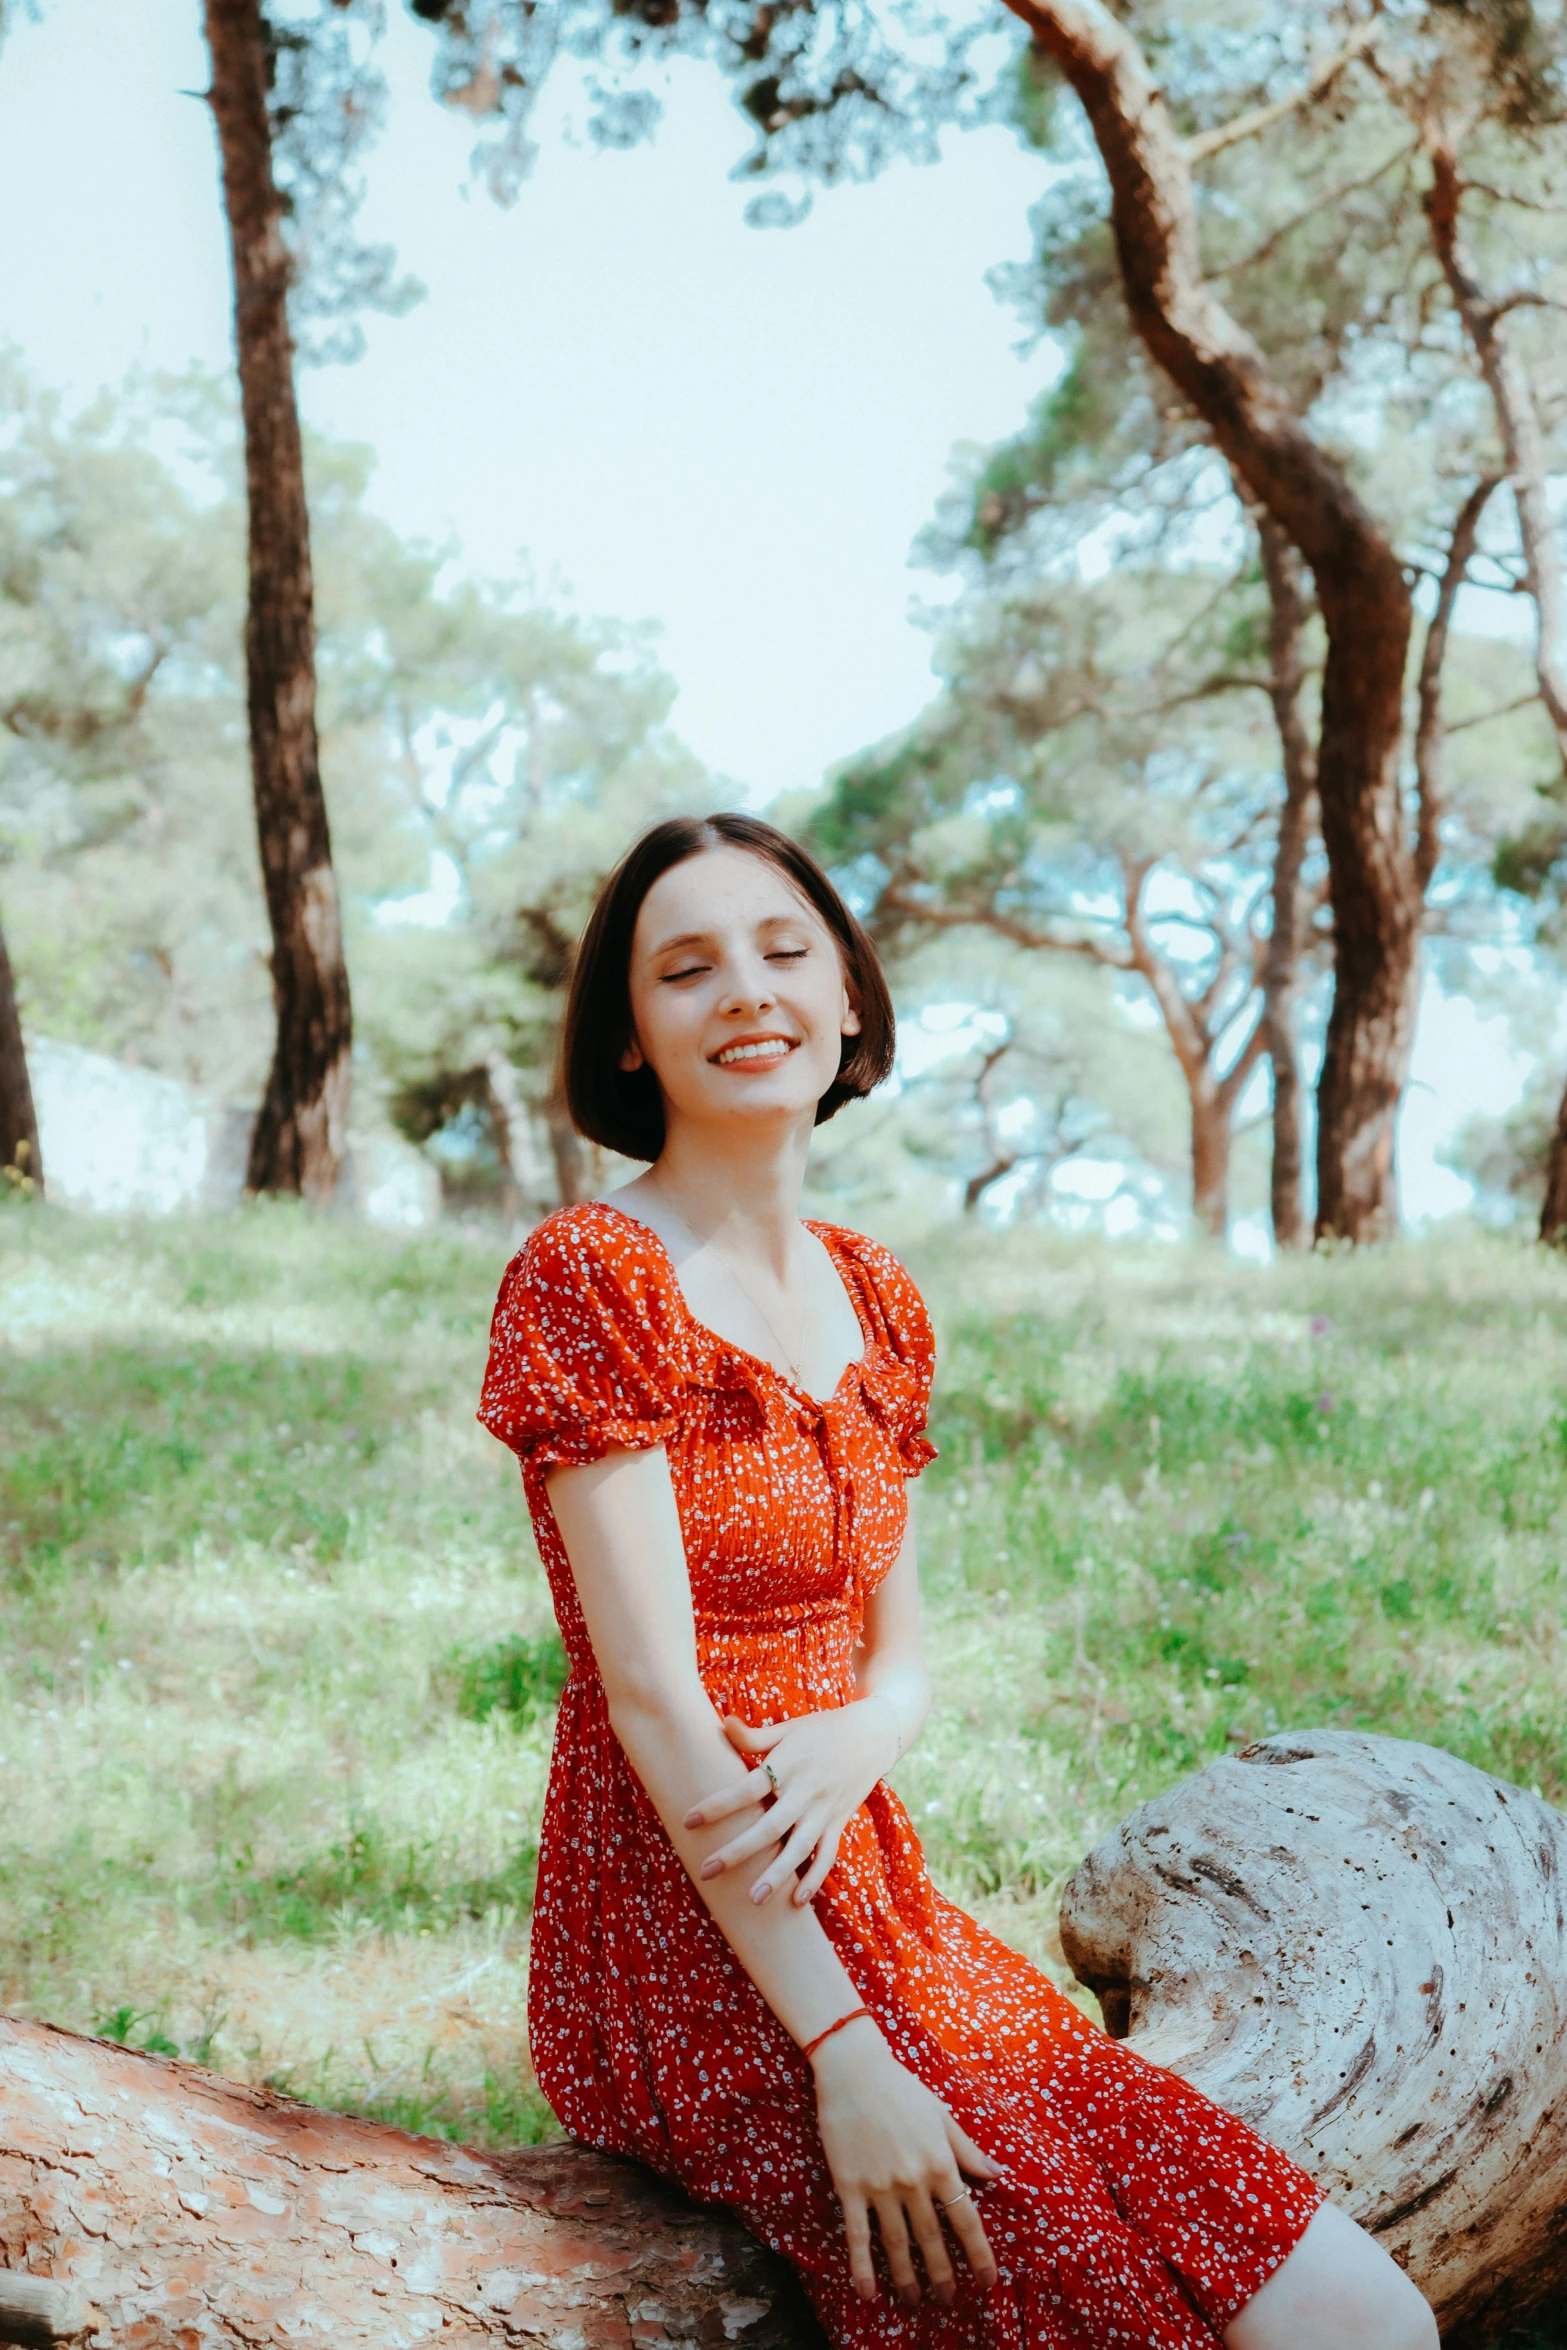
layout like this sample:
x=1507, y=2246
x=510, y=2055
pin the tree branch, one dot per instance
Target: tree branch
x=1263, y=118
x=1429, y=729
x=1484, y=717
x=1362, y=593
x=1325, y=203
x=1518, y=422
x=967, y=915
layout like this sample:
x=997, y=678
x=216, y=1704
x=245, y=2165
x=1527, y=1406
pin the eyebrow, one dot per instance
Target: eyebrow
x=704, y=938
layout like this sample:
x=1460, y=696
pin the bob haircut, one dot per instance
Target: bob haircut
x=623, y=1108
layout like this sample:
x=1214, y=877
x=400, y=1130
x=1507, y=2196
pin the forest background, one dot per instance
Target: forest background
x=1210, y=763
x=464, y=718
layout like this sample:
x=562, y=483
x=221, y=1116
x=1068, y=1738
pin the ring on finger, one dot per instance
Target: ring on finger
x=945, y=2202
x=769, y=1774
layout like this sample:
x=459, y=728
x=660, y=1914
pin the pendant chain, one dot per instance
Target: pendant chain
x=740, y=1283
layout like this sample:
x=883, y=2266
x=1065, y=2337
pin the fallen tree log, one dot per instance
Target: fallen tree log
x=1359, y=1945
x=173, y=2210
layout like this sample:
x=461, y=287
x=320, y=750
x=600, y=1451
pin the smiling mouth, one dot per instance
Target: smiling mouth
x=766, y=1048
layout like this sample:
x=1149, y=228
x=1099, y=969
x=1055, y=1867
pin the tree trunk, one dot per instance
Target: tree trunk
x=1281, y=969
x=573, y=1173
x=1358, y=1944
x=1553, y=1211
x=1518, y=423
x=177, y=2211
x=1430, y=729
x=1211, y=1136
x=18, y=1119
x=1361, y=590
x=301, y=1132
x=513, y=1123
x=1523, y=448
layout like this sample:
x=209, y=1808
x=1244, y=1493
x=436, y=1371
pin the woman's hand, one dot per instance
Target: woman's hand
x=825, y=1764
x=893, y=2148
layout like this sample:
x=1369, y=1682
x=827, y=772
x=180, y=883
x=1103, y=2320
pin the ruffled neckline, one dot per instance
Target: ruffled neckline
x=872, y=1372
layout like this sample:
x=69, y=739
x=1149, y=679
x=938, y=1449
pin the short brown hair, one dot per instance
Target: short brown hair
x=623, y=1108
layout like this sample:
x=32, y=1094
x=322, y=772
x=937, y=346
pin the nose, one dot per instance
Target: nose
x=749, y=988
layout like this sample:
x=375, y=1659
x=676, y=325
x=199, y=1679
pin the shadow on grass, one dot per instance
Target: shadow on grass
x=120, y=1456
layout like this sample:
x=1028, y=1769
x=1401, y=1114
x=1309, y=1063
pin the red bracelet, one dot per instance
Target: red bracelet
x=852, y=2017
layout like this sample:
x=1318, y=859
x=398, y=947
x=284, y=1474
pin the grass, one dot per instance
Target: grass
x=278, y=1668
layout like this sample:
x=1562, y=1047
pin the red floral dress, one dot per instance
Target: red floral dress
x=1133, y=2211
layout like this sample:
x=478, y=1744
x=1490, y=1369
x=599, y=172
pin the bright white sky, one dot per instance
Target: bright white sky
x=734, y=432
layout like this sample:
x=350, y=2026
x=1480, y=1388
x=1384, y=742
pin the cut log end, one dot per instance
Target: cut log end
x=1359, y=1945
x=36, y=2312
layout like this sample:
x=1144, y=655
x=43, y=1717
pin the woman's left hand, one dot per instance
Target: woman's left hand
x=825, y=1765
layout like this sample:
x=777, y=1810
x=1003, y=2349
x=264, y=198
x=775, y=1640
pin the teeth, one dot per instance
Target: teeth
x=754, y=1052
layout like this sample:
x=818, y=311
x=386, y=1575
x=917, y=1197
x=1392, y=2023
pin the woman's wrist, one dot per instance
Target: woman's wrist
x=842, y=2043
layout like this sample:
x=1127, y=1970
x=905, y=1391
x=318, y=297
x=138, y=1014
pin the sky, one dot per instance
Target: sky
x=735, y=432
x=665, y=413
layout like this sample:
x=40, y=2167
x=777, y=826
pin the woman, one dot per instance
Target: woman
x=741, y=1973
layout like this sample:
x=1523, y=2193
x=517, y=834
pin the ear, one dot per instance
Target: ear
x=850, y=1024
x=631, y=1058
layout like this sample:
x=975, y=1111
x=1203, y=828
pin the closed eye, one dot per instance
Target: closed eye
x=688, y=971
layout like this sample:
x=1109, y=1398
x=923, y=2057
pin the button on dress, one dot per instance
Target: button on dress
x=1132, y=2211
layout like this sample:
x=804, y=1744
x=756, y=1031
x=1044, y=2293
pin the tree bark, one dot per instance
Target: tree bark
x=1359, y=1945
x=18, y=1119
x=1430, y=733
x=513, y=1123
x=1553, y=1209
x=1361, y=591
x=573, y=1174
x=300, y=1135
x=1281, y=967
x=1211, y=1135
x=1523, y=449
x=1518, y=422
x=1196, y=1029
x=176, y=2211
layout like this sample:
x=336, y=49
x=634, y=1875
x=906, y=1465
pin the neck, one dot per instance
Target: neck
x=742, y=1194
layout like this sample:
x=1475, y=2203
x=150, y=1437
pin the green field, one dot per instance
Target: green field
x=278, y=1664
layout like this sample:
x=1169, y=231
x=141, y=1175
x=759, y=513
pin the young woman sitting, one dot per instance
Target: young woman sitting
x=741, y=1972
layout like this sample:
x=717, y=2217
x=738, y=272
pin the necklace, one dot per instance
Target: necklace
x=740, y=1283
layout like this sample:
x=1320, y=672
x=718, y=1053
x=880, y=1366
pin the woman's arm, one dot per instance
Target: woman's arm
x=892, y=1647
x=890, y=2144
x=827, y=1763
x=621, y=1529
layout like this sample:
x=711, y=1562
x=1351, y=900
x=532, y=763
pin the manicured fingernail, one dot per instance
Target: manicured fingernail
x=987, y=2277
x=759, y=1893
x=693, y=1819
x=712, y=1868
x=945, y=2295
x=909, y=2295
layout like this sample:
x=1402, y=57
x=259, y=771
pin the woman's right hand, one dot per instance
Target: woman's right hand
x=894, y=2149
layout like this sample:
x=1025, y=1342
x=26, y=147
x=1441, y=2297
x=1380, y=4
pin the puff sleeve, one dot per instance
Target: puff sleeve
x=584, y=1344
x=902, y=1364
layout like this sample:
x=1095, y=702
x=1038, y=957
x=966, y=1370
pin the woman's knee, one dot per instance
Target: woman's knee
x=1338, y=2290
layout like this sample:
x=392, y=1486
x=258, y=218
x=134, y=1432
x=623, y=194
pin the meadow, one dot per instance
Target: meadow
x=278, y=1664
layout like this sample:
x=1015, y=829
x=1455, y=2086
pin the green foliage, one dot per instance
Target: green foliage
x=264, y=1809
x=1175, y=1512
x=517, y=1677
x=363, y=1883
x=460, y=722
x=245, y=1509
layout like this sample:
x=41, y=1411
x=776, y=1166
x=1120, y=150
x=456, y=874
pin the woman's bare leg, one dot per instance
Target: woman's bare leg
x=1338, y=2290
